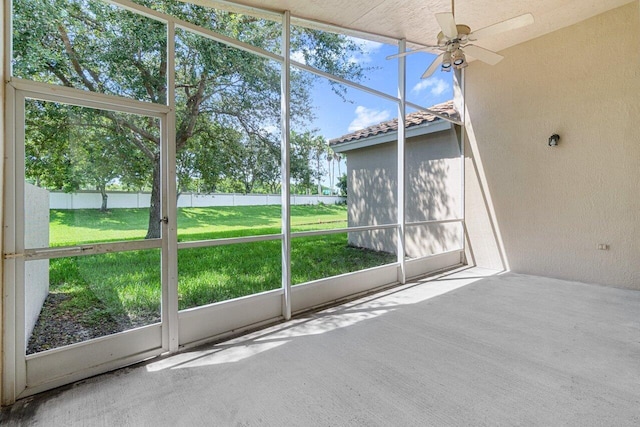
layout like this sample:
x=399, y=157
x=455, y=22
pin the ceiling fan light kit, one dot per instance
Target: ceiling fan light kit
x=446, y=61
x=459, y=60
x=453, y=41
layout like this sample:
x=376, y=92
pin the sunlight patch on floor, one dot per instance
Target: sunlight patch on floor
x=342, y=316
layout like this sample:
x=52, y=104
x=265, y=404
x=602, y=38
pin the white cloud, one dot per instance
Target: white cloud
x=298, y=56
x=271, y=129
x=368, y=48
x=367, y=117
x=435, y=85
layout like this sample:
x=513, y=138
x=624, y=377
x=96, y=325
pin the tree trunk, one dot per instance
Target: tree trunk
x=155, y=213
x=333, y=175
x=318, y=174
x=329, y=160
x=103, y=193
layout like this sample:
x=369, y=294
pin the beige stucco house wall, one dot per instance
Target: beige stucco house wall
x=433, y=184
x=542, y=210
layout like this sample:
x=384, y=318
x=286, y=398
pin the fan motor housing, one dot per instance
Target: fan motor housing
x=463, y=31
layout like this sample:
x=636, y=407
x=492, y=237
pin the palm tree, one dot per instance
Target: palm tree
x=329, y=156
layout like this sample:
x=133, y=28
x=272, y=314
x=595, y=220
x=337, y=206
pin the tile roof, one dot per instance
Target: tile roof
x=413, y=119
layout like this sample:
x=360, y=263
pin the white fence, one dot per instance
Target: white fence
x=119, y=200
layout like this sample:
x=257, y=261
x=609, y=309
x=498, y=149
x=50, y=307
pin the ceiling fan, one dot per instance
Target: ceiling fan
x=453, y=41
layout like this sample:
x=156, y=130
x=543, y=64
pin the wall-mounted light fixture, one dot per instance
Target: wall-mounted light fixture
x=553, y=140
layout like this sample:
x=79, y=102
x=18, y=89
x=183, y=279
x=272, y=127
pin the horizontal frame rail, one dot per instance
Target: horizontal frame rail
x=435, y=221
x=88, y=249
x=125, y=246
x=343, y=230
x=228, y=241
x=84, y=98
x=268, y=237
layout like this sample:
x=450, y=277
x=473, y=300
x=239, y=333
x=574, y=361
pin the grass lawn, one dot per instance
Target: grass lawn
x=125, y=287
x=72, y=227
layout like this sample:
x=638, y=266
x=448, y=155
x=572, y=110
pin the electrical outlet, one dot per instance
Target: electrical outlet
x=603, y=247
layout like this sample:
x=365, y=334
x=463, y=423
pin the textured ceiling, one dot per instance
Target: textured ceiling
x=414, y=19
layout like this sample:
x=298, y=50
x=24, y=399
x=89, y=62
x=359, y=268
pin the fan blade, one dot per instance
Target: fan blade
x=483, y=54
x=448, y=24
x=411, y=52
x=434, y=65
x=500, y=27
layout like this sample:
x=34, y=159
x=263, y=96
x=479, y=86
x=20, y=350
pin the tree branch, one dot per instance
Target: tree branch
x=193, y=107
x=143, y=133
x=146, y=80
x=73, y=57
x=65, y=81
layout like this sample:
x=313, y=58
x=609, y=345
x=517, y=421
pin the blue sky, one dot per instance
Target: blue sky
x=336, y=117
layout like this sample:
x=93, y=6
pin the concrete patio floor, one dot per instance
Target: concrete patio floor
x=468, y=348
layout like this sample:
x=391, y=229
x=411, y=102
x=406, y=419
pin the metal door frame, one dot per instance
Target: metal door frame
x=28, y=374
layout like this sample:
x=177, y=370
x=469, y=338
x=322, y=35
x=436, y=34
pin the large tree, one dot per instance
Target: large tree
x=220, y=90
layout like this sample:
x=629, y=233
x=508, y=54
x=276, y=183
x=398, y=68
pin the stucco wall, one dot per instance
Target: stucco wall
x=36, y=236
x=542, y=210
x=433, y=193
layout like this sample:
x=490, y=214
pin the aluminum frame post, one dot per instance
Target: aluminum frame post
x=402, y=110
x=285, y=94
